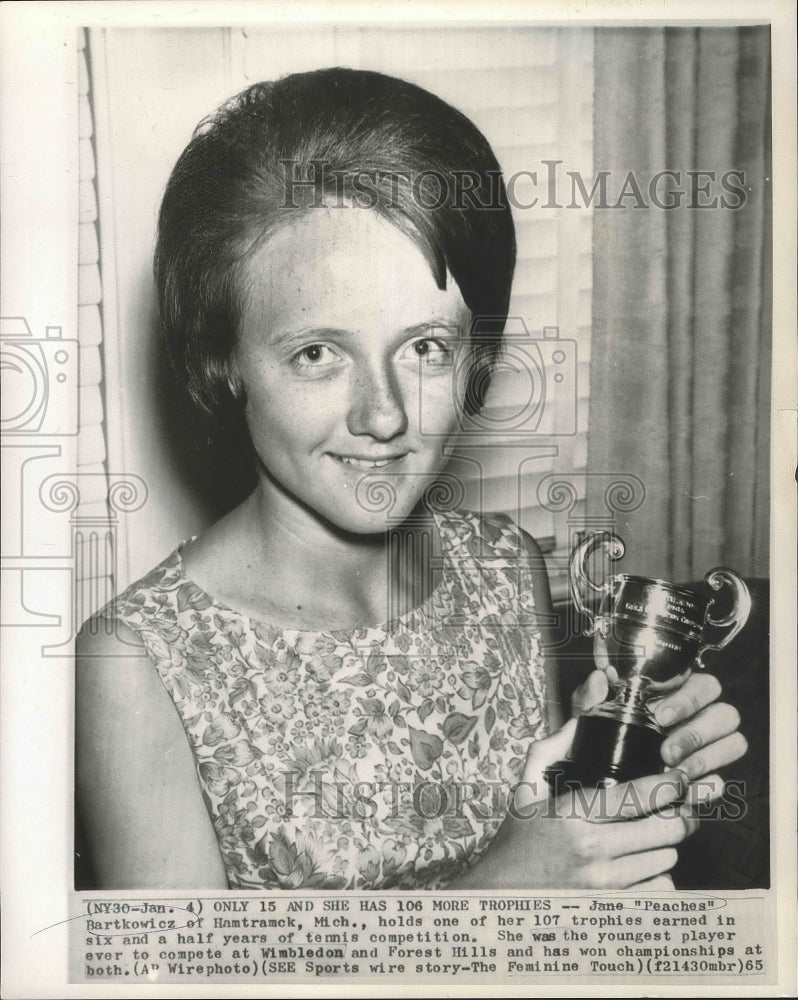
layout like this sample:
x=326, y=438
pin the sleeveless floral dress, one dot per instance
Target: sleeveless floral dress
x=367, y=758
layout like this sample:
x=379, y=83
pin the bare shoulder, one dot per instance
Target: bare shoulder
x=118, y=690
x=136, y=785
x=111, y=659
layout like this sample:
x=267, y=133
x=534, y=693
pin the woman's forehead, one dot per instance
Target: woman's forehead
x=345, y=263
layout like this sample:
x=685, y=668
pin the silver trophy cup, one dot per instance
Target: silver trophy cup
x=648, y=637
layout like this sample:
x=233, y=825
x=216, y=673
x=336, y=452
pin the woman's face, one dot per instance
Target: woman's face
x=348, y=354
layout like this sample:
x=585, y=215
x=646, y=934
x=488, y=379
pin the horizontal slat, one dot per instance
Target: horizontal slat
x=85, y=126
x=537, y=235
x=509, y=390
x=98, y=510
x=492, y=464
x=90, y=407
x=450, y=48
x=498, y=423
x=473, y=90
x=90, y=366
x=92, y=483
x=514, y=492
x=579, y=278
x=87, y=202
x=515, y=127
x=531, y=153
x=485, y=497
x=92, y=470
x=89, y=285
x=88, y=250
x=530, y=218
x=552, y=157
x=85, y=160
x=536, y=280
x=536, y=311
x=424, y=49
x=91, y=445
x=90, y=330
x=536, y=243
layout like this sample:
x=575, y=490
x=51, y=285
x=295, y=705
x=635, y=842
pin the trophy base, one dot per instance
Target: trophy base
x=607, y=751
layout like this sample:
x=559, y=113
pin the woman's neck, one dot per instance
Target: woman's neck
x=285, y=566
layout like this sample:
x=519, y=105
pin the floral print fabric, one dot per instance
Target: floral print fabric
x=366, y=758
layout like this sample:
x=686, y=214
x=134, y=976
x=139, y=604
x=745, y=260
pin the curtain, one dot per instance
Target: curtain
x=680, y=371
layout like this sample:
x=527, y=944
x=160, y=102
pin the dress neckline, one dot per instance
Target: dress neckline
x=446, y=534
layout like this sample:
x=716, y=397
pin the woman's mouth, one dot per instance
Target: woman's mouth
x=361, y=462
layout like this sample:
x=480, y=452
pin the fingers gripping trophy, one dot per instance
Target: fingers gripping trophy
x=648, y=637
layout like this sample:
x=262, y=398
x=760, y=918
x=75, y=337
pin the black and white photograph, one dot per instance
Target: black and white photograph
x=394, y=492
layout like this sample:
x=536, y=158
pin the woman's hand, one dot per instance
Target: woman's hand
x=702, y=735
x=587, y=839
x=622, y=836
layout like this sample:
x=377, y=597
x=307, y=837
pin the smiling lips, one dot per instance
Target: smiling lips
x=367, y=463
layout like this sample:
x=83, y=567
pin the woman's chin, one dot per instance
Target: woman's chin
x=368, y=524
x=354, y=503
x=375, y=515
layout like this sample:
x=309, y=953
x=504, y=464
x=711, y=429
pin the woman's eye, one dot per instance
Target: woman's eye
x=314, y=356
x=433, y=352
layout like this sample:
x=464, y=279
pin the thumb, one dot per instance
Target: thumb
x=541, y=755
x=591, y=692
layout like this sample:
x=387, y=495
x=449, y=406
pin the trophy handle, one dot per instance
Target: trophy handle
x=736, y=618
x=579, y=577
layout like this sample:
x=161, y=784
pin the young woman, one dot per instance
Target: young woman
x=340, y=683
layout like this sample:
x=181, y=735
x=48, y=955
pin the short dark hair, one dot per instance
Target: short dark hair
x=373, y=139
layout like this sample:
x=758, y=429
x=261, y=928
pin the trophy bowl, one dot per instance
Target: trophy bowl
x=648, y=637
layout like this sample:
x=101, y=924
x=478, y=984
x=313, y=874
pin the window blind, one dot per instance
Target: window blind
x=93, y=578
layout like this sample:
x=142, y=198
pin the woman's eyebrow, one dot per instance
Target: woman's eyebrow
x=444, y=325
x=288, y=337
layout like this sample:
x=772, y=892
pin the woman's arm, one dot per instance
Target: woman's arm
x=136, y=786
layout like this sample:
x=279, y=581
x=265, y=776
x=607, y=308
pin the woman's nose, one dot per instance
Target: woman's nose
x=377, y=407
